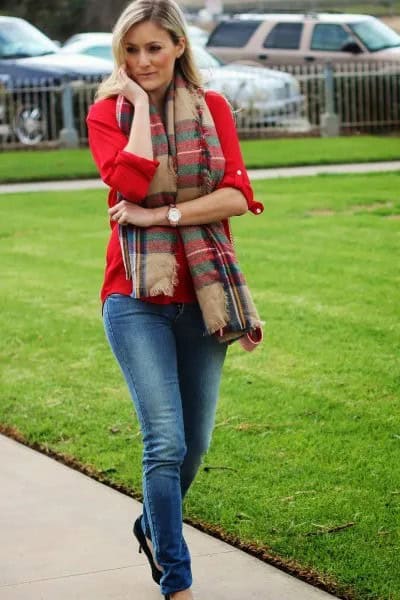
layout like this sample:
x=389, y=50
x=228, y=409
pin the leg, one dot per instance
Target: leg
x=200, y=362
x=142, y=339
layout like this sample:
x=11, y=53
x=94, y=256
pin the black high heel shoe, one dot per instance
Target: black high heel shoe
x=141, y=538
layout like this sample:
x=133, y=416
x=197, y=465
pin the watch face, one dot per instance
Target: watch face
x=174, y=214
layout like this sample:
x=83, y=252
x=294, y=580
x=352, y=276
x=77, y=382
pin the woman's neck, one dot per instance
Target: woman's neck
x=157, y=98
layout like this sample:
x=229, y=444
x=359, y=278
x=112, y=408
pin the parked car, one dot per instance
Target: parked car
x=99, y=43
x=296, y=39
x=265, y=96
x=92, y=44
x=29, y=59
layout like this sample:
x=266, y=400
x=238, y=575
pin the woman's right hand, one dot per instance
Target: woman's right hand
x=129, y=88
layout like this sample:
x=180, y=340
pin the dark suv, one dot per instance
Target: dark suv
x=32, y=69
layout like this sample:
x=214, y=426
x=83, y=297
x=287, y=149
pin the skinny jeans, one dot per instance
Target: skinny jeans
x=173, y=373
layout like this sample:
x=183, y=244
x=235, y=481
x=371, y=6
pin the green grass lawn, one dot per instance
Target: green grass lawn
x=307, y=439
x=71, y=164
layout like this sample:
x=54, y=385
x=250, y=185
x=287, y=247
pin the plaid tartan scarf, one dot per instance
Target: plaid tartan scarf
x=191, y=165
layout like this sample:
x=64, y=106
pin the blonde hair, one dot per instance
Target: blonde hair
x=166, y=14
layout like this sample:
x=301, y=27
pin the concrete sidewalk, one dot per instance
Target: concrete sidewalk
x=79, y=184
x=66, y=536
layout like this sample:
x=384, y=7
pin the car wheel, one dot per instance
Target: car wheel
x=30, y=124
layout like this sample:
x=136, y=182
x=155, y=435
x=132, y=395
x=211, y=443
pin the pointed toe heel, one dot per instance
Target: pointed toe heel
x=141, y=538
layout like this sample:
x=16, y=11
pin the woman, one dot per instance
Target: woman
x=173, y=295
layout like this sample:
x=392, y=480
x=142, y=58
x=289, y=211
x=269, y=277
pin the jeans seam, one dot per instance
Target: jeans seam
x=153, y=531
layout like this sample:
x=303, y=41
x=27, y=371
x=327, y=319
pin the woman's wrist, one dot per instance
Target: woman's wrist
x=143, y=103
x=159, y=215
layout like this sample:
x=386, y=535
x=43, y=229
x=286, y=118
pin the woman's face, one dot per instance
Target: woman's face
x=150, y=56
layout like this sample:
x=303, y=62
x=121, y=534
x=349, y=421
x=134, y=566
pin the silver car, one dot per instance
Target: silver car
x=260, y=96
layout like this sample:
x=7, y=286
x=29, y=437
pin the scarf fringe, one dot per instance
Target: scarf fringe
x=164, y=275
x=167, y=289
x=213, y=302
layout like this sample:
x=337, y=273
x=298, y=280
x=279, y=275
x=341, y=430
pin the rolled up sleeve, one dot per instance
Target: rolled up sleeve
x=235, y=175
x=123, y=171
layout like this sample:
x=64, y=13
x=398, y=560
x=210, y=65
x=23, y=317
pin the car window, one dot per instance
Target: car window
x=285, y=36
x=100, y=52
x=376, y=35
x=329, y=36
x=233, y=35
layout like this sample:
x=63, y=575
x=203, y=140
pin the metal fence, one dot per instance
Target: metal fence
x=44, y=113
x=360, y=98
x=364, y=96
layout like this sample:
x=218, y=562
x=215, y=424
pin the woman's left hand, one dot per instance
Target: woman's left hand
x=128, y=213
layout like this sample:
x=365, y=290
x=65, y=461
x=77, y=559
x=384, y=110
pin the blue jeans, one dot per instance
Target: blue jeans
x=173, y=372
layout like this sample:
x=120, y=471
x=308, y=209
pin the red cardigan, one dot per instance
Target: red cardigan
x=131, y=175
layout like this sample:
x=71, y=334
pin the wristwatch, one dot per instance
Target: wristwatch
x=174, y=215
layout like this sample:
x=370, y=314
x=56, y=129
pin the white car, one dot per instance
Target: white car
x=93, y=44
x=262, y=96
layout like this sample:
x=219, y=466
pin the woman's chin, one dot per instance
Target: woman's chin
x=149, y=86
